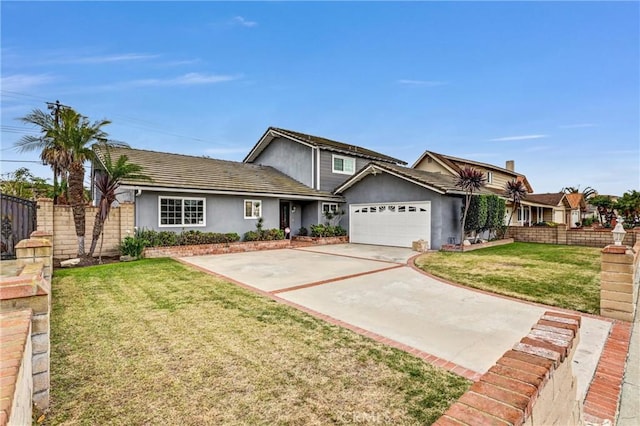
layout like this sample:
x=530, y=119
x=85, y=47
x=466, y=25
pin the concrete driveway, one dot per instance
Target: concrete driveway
x=373, y=288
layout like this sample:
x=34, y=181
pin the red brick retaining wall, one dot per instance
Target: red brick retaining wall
x=203, y=249
x=574, y=237
x=531, y=384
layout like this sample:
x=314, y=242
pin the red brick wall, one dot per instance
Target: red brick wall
x=531, y=384
x=203, y=249
x=574, y=237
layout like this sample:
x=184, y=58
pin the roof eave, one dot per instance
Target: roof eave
x=142, y=186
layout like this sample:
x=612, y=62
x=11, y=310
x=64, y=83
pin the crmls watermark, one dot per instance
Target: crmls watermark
x=355, y=417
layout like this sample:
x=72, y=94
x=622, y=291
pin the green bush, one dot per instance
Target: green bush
x=132, y=246
x=264, y=235
x=477, y=214
x=303, y=232
x=327, y=231
x=153, y=238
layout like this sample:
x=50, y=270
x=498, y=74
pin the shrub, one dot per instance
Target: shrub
x=476, y=214
x=153, y=238
x=303, y=232
x=261, y=234
x=132, y=246
x=327, y=231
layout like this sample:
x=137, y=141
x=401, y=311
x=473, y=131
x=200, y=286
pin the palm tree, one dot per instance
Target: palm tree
x=52, y=153
x=469, y=180
x=67, y=139
x=516, y=192
x=107, y=183
x=587, y=193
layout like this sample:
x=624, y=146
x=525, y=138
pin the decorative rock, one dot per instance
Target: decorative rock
x=466, y=243
x=127, y=258
x=70, y=262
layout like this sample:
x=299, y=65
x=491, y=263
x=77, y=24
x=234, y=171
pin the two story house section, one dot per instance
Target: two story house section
x=319, y=163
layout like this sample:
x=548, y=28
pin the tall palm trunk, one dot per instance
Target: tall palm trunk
x=76, y=199
x=98, y=226
x=464, y=218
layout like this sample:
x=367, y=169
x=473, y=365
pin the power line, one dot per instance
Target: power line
x=21, y=161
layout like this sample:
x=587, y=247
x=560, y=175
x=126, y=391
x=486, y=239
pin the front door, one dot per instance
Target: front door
x=285, y=209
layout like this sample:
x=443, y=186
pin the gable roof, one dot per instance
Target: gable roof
x=438, y=182
x=184, y=173
x=455, y=164
x=576, y=201
x=550, y=199
x=316, y=141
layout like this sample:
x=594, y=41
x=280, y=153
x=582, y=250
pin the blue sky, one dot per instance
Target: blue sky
x=554, y=86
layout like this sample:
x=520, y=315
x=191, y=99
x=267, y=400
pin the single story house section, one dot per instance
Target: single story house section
x=394, y=205
x=200, y=193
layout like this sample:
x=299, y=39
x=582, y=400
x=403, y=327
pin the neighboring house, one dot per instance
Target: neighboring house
x=394, y=205
x=199, y=193
x=496, y=180
x=557, y=207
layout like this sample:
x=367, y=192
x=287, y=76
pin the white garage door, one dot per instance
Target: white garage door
x=390, y=224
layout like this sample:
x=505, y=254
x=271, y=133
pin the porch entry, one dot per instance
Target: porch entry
x=285, y=215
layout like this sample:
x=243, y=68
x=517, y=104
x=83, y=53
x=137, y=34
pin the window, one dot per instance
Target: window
x=343, y=165
x=489, y=177
x=182, y=211
x=523, y=214
x=329, y=207
x=252, y=209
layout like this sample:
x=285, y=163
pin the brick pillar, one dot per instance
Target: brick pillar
x=618, y=292
x=45, y=215
x=37, y=249
x=35, y=255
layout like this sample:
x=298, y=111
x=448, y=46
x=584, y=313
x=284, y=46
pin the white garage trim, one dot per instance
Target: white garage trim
x=390, y=224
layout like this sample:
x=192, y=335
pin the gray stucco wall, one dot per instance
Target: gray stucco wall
x=223, y=213
x=383, y=188
x=329, y=180
x=291, y=158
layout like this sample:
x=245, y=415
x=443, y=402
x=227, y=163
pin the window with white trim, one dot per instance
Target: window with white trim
x=252, y=209
x=343, y=165
x=330, y=207
x=489, y=177
x=177, y=211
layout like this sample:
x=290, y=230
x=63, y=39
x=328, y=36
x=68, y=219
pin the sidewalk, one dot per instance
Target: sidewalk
x=629, y=414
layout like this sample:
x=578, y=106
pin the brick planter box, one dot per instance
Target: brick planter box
x=202, y=249
x=322, y=240
x=472, y=247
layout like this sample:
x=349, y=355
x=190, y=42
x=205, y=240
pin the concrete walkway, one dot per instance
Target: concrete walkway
x=629, y=414
x=373, y=288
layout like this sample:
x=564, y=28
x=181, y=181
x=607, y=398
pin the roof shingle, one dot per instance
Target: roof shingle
x=184, y=172
x=322, y=143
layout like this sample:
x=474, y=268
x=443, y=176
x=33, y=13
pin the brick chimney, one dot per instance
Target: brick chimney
x=510, y=165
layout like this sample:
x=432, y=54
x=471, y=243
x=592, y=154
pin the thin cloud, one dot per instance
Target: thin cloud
x=239, y=20
x=518, y=138
x=189, y=79
x=576, y=126
x=104, y=59
x=422, y=83
x=24, y=82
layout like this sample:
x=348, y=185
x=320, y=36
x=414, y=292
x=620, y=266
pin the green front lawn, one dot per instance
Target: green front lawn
x=563, y=276
x=154, y=342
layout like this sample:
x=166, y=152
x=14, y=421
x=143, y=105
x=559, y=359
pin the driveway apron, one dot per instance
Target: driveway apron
x=373, y=288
